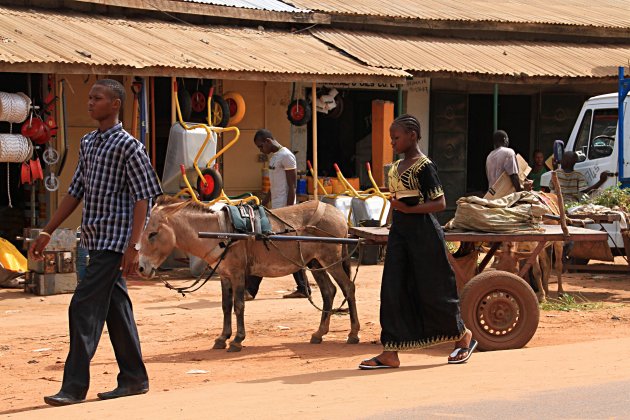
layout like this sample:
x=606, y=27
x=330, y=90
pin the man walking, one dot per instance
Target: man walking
x=115, y=181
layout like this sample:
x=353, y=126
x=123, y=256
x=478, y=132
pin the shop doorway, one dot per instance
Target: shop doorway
x=347, y=140
x=515, y=117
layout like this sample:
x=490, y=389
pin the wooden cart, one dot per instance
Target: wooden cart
x=499, y=307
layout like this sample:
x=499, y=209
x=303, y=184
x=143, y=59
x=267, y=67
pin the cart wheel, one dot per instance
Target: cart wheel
x=236, y=104
x=299, y=112
x=214, y=185
x=220, y=111
x=500, y=309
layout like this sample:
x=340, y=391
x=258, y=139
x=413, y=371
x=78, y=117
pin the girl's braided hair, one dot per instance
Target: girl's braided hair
x=408, y=123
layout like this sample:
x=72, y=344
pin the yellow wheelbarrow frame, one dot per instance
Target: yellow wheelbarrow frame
x=209, y=130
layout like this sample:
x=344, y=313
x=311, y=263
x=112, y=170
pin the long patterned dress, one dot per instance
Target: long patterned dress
x=419, y=302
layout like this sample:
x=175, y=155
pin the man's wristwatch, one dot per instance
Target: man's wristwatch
x=136, y=246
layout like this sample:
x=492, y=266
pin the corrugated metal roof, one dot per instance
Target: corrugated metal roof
x=508, y=58
x=35, y=36
x=272, y=5
x=601, y=13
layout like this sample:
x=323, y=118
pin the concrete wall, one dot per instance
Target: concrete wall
x=418, y=100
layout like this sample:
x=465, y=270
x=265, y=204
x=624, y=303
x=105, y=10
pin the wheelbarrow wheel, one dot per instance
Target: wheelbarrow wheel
x=500, y=309
x=299, y=112
x=185, y=103
x=236, y=103
x=220, y=111
x=213, y=187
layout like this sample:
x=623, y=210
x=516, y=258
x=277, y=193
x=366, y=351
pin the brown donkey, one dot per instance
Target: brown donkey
x=176, y=224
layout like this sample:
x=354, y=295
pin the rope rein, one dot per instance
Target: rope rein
x=193, y=287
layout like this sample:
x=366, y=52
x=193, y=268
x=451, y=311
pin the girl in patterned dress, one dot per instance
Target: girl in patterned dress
x=419, y=302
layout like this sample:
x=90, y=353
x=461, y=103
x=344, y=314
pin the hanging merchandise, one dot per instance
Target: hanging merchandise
x=51, y=156
x=25, y=173
x=337, y=110
x=299, y=112
x=36, y=130
x=15, y=148
x=198, y=101
x=236, y=105
x=185, y=102
x=36, y=169
x=51, y=182
x=14, y=107
x=220, y=112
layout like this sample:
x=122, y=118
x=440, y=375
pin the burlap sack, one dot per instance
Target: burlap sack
x=516, y=212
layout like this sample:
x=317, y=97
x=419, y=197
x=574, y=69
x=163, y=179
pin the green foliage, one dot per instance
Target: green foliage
x=613, y=196
x=568, y=303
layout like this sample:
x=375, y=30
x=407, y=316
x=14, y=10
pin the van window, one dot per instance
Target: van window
x=603, y=131
x=581, y=142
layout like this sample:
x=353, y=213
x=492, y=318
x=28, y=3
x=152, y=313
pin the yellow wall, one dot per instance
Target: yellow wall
x=266, y=104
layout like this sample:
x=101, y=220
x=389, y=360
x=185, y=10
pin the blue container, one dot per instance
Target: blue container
x=301, y=186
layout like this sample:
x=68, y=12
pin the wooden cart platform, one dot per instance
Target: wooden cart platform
x=499, y=307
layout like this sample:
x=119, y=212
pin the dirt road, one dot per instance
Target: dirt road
x=177, y=334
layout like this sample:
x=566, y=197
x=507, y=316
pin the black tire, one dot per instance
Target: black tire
x=500, y=309
x=337, y=110
x=299, y=112
x=220, y=111
x=214, y=187
x=185, y=104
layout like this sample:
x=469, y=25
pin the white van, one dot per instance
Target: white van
x=593, y=139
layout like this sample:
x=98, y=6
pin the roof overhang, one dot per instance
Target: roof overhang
x=41, y=41
x=489, y=60
x=222, y=11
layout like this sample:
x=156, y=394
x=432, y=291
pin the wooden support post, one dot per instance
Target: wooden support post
x=382, y=118
x=563, y=217
x=314, y=122
x=173, y=105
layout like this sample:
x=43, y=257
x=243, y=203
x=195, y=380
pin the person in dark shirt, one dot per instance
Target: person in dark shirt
x=116, y=183
x=538, y=169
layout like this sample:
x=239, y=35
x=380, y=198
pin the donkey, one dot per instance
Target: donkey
x=176, y=223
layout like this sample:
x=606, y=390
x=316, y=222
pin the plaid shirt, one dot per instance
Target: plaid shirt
x=113, y=173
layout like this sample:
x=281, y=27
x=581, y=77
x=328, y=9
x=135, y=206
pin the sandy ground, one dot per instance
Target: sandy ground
x=177, y=335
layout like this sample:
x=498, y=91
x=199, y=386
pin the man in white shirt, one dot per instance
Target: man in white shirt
x=502, y=159
x=283, y=179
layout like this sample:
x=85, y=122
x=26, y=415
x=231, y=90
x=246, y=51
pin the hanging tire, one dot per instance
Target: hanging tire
x=299, y=112
x=185, y=103
x=337, y=110
x=214, y=185
x=220, y=111
x=236, y=104
x=500, y=309
x=199, y=101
